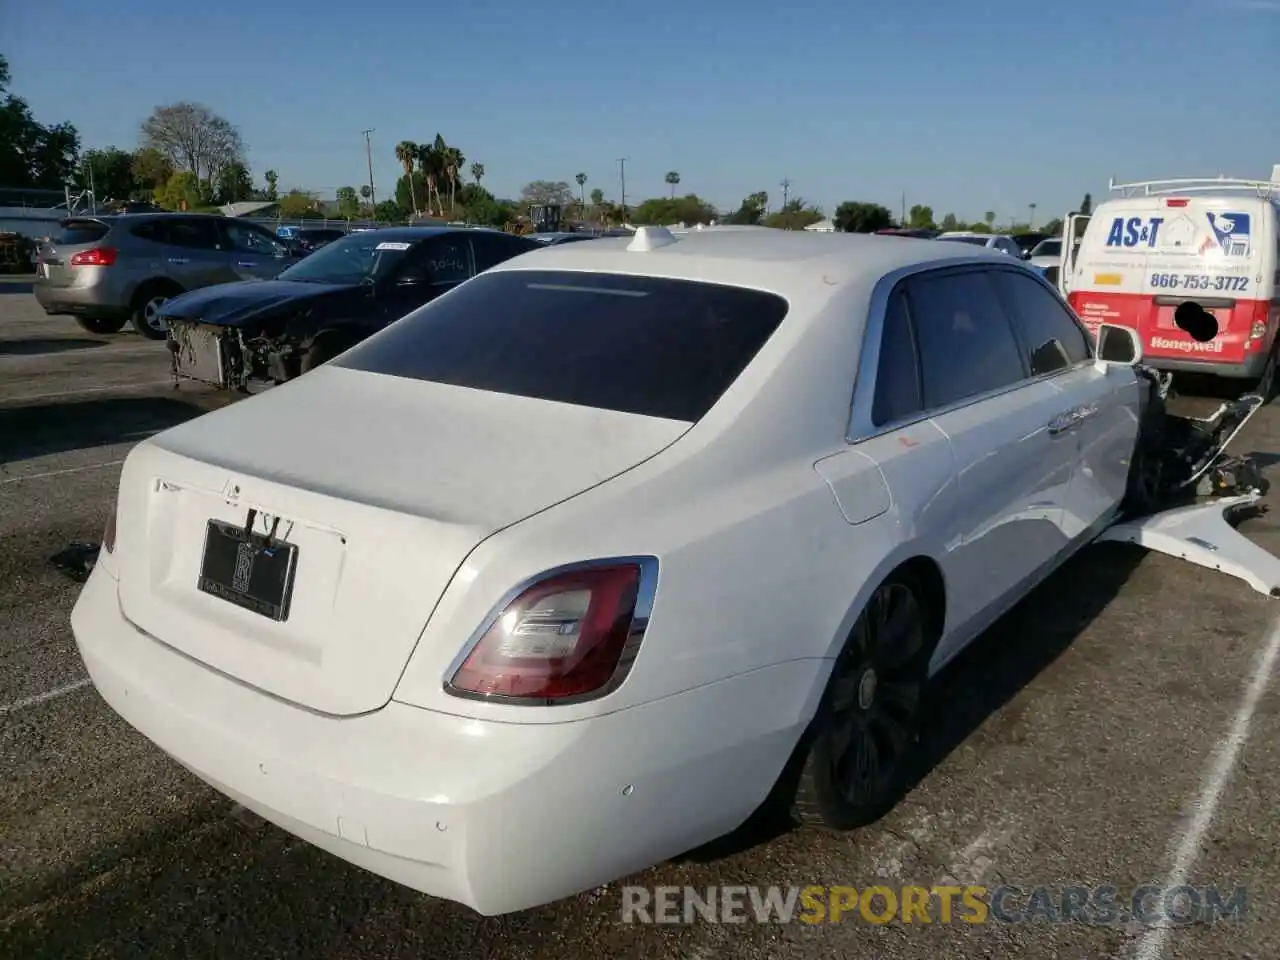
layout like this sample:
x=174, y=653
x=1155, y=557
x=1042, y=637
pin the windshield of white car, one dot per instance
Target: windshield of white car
x=1048, y=248
x=976, y=241
x=356, y=258
x=645, y=345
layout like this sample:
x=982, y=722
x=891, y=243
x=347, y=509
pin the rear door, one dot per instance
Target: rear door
x=256, y=254
x=1013, y=464
x=195, y=255
x=1073, y=229
x=433, y=267
x=491, y=249
x=1098, y=408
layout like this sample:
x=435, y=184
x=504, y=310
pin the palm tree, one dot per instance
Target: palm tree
x=582, y=191
x=672, y=179
x=477, y=172
x=451, y=161
x=407, y=152
x=432, y=168
x=989, y=218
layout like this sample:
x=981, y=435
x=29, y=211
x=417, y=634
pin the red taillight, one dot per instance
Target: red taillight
x=97, y=257
x=571, y=635
x=109, y=534
x=1178, y=202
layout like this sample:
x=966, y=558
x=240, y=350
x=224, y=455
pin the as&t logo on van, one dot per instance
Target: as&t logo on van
x=1134, y=231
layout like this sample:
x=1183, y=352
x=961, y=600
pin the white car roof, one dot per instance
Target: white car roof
x=792, y=263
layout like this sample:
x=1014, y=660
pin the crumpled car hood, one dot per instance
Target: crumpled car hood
x=235, y=304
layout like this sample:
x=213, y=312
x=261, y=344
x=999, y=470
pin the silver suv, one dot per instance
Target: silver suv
x=109, y=271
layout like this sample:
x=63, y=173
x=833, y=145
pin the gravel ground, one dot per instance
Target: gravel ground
x=1072, y=746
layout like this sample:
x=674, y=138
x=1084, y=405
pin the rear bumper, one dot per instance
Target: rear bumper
x=1249, y=369
x=94, y=301
x=496, y=816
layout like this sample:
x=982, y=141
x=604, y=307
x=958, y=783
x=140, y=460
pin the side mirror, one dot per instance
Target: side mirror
x=1118, y=346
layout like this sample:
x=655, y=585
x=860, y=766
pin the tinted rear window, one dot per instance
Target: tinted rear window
x=644, y=345
x=80, y=231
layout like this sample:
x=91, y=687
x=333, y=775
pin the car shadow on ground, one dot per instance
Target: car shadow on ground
x=213, y=883
x=43, y=429
x=35, y=346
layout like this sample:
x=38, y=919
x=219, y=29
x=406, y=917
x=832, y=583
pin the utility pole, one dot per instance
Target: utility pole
x=622, y=175
x=368, y=152
x=903, y=221
x=786, y=191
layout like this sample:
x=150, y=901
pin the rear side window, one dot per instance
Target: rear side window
x=1052, y=338
x=81, y=231
x=195, y=234
x=645, y=345
x=966, y=344
x=898, y=393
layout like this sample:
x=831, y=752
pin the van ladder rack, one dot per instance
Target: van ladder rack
x=1152, y=188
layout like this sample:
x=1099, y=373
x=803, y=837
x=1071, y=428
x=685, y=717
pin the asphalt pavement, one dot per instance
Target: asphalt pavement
x=1116, y=730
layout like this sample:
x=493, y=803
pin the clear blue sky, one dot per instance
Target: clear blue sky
x=961, y=105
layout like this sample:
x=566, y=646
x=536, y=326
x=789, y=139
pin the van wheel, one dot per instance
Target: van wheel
x=102, y=324
x=855, y=764
x=145, y=317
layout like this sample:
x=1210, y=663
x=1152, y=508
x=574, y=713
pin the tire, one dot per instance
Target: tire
x=145, y=303
x=856, y=759
x=102, y=324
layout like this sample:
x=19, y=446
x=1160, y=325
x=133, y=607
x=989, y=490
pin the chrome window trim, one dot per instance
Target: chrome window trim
x=861, y=427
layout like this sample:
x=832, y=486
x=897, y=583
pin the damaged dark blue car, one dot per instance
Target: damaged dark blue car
x=271, y=331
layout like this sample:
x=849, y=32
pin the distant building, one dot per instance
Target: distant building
x=822, y=226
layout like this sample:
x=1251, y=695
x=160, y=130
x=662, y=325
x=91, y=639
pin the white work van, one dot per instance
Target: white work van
x=1157, y=245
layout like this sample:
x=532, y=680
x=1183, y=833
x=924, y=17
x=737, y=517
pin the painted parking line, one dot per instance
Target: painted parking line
x=45, y=697
x=1226, y=755
x=107, y=388
x=59, y=473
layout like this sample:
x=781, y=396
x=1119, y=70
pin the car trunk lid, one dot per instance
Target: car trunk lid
x=383, y=485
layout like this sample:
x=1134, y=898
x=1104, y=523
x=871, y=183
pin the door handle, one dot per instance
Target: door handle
x=1063, y=422
x=179, y=260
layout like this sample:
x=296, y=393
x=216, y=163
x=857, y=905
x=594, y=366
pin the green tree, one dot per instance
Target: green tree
x=752, y=209
x=234, y=183
x=348, y=202
x=272, y=193
x=1086, y=205
x=409, y=189
x=980, y=227
x=298, y=203
x=389, y=211
x=989, y=218
x=920, y=217
x=672, y=180
x=451, y=161
x=949, y=222
x=407, y=154
x=795, y=215
x=477, y=172
x=855, y=216
x=33, y=155
x=581, y=180
x=689, y=209
x=151, y=169
x=1054, y=227
x=110, y=171
x=597, y=197
x=181, y=192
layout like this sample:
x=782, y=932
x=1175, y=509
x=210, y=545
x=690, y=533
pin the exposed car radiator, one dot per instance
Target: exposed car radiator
x=199, y=352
